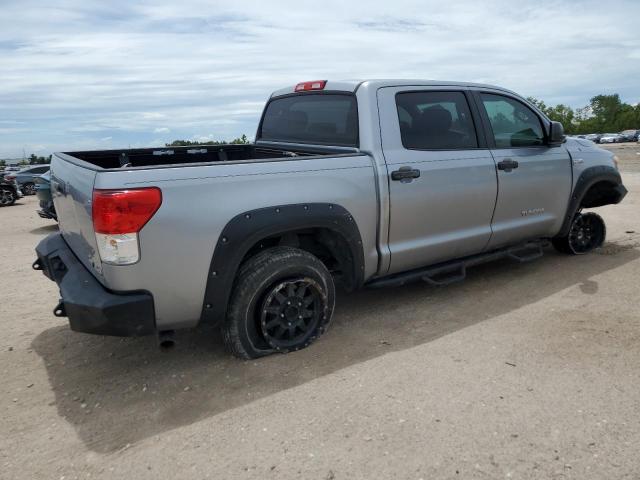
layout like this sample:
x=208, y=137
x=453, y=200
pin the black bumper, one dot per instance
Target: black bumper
x=90, y=307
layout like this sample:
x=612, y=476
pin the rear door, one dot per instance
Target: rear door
x=534, y=179
x=442, y=178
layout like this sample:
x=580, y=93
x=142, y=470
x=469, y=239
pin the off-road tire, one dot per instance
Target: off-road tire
x=258, y=282
x=573, y=243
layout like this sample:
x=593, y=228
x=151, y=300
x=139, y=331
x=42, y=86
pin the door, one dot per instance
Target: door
x=442, y=178
x=534, y=179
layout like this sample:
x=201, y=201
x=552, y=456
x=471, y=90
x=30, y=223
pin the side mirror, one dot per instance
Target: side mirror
x=556, y=134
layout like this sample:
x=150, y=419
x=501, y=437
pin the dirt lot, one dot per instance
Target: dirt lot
x=522, y=371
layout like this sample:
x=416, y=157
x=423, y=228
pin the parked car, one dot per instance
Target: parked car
x=611, y=138
x=594, y=137
x=630, y=135
x=375, y=183
x=43, y=191
x=25, y=178
x=9, y=192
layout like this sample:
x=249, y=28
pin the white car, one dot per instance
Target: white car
x=611, y=138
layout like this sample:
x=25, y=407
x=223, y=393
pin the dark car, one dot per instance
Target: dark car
x=25, y=178
x=43, y=191
x=630, y=135
x=9, y=192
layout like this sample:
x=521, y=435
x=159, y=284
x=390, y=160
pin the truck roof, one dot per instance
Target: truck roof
x=353, y=85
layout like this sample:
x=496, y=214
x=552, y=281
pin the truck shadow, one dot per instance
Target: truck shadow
x=119, y=391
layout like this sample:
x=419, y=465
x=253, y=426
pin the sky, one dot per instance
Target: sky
x=78, y=74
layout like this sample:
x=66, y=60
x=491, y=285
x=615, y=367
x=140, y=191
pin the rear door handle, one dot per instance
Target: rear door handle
x=405, y=173
x=507, y=164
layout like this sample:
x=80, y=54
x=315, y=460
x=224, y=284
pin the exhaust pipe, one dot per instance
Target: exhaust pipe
x=166, y=340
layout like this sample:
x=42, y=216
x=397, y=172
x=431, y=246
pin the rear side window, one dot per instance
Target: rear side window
x=435, y=121
x=513, y=123
x=326, y=119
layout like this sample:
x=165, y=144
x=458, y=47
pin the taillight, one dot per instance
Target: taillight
x=118, y=216
x=10, y=178
x=315, y=85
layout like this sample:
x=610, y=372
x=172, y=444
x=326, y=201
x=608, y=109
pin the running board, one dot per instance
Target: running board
x=454, y=271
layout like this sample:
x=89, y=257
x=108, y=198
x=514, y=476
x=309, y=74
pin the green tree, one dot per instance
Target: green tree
x=563, y=114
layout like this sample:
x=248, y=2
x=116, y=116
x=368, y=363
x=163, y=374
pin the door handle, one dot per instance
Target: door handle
x=405, y=173
x=507, y=164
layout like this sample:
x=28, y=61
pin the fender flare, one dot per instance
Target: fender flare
x=248, y=228
x=586, y=180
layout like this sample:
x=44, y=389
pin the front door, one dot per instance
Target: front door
x=534, y=179
x=442, y=178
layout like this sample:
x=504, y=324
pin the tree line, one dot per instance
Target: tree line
x=603, y=114
x=243, y=140
x=31, y=160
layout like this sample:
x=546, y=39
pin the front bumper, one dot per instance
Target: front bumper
x=90, y=307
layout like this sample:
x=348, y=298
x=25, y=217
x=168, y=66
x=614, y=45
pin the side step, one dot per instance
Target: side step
x=453, y=271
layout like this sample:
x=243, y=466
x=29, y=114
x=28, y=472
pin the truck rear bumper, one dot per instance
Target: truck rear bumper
x=90, y=307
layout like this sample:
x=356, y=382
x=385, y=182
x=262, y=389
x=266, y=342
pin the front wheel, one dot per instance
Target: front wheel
x=587, y=232
x=282, y=301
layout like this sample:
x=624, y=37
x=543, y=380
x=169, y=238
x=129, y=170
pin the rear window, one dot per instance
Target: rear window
x=326, y=119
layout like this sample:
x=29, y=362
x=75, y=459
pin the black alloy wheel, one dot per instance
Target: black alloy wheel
x=587, y=232
x=291, y=313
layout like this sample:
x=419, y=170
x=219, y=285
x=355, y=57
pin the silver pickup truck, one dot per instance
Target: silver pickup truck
x=373, y=183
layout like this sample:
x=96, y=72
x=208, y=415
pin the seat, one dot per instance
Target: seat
x=432, y=130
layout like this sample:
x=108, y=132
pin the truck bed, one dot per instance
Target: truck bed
x=144, y=157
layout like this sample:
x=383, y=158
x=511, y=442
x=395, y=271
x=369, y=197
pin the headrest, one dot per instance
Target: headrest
x=434, y=119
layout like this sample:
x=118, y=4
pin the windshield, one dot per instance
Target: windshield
x=326, y=119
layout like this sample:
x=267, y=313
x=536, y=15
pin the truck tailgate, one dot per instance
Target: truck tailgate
x=72, y=191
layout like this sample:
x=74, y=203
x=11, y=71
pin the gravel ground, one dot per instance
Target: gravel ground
x=522, y=371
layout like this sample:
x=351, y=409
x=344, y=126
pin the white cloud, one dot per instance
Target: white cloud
x=161, y=130
x=79, y=71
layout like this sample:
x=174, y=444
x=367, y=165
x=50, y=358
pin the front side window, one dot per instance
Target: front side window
x=435, y=121
x=326, y=119
x=513, y=123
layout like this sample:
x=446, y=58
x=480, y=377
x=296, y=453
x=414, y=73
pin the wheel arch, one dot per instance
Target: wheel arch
x=251, y=231
x=595, y=187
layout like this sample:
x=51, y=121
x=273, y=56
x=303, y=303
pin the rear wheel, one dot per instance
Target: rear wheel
x=29, y=189
x=587, y=232
x=7, y=197
x=282, y=301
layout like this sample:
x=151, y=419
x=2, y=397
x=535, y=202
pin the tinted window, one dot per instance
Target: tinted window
x=39, y=169
x=513, y=123
x=312, y=118
x=435, y=120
